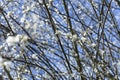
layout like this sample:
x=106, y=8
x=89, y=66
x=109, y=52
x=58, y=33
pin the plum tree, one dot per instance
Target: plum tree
x=59, y=39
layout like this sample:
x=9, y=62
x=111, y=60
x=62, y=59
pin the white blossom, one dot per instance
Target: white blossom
x=93, y=44
x=27, y=9
x=34, y=56
x=95, y=70
x=58, y=32
x=102, y=52
x=1, y=61
x=9, y=14
x=22, y=19
x=83, y=39
x=50, y=0
x=1, y=47
x=27, y=25
x=74, y=37
x=85, y=33
x=11, y=40
x=8, y=64
x=24, y=38
x=118, y=64
x=69, y=35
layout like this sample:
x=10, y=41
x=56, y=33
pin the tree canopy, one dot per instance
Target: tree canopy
x=59, y=39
